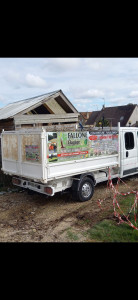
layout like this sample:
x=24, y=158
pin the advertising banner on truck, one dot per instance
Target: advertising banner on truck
x=102, y=144
x=65, y=146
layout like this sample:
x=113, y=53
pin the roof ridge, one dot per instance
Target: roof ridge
x=54, y=92
x=131, y=104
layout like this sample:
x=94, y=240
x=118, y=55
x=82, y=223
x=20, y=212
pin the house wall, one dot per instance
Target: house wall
x=134, y=117
x=45, y=119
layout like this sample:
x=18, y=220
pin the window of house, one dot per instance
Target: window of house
x=129, y=140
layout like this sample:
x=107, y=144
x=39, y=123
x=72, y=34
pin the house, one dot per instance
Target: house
x=47, y=109
x=127, y=115
x=50, y=110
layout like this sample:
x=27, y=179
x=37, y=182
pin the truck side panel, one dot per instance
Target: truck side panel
x=69, y=168
x=70, y=153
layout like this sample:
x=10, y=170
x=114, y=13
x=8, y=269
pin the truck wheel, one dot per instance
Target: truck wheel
x=86, y=189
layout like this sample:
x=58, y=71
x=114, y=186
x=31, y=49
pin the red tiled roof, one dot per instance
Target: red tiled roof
x=84, y=114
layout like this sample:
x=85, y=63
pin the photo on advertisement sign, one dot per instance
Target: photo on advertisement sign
x=52, y=146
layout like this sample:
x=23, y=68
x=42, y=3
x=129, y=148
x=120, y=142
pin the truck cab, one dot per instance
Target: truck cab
x=128, y=151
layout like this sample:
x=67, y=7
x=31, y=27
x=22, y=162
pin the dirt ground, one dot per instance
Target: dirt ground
x=37, y=218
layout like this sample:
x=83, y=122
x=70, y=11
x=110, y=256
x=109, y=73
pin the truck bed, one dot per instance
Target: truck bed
x=42, y=156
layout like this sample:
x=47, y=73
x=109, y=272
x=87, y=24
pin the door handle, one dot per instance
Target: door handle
x=126, y=153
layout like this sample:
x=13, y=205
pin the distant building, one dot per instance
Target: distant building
x=84, y=116
x=127, y=115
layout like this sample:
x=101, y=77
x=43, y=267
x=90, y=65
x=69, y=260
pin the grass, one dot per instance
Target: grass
x=125, y=203
x=72, y=236
x=111, y=230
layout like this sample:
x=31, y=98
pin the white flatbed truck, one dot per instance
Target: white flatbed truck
x=50, y=162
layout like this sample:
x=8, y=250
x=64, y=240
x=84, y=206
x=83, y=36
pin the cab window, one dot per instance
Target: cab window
x=129, y=140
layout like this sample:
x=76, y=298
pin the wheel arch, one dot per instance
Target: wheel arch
x=78, y=179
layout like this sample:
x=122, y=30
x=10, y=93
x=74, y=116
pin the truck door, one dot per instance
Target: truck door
x=130, y=152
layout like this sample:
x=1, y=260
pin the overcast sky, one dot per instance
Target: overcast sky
x=87, y=82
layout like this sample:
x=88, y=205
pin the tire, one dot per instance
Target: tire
x=86, y=189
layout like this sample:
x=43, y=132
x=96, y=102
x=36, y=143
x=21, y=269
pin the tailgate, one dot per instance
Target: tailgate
x=22, y=154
